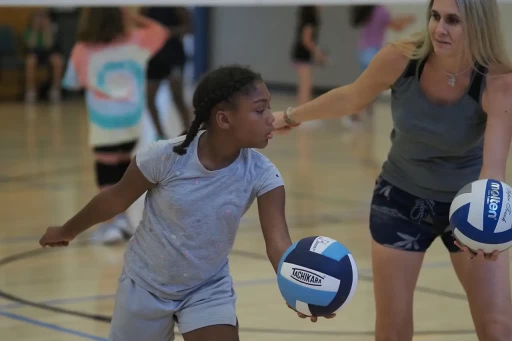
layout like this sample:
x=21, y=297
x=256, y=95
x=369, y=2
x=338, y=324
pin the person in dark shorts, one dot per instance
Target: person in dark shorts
x=305, y=51
x=41, y=48
x=451, y=100
x=106, y=62
x=169, y=62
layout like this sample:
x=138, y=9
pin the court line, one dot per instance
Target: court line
x=61, y=301
x=50, y=326
x=334, y=217
x=258, y=256
x=242, y=330
x=79, y=299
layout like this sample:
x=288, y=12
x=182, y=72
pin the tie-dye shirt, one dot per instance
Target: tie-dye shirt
x=114, y=78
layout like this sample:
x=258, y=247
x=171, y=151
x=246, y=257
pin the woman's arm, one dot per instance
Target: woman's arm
x=497, y=103
x=385, y=68
x=271, y=209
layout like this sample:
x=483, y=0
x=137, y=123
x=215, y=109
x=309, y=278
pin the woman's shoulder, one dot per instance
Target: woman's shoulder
x=389, y=64
x=398, y=52
x=498, y=86
x=499, y=77
x=498, y=70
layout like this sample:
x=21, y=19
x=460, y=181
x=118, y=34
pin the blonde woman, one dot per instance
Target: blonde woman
x=452, y=117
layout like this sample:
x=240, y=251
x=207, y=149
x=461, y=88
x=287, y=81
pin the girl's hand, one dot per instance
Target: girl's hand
x=312, y=318
x=55, y=236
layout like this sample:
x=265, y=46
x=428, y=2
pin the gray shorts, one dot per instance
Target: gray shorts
x=140, y=315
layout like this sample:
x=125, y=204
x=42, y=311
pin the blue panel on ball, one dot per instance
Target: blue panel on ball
x=288, y=295
x=492, y=205
x=285, y=254
x=305, y=243
x=460, y=221
x=316, y=262
x=335, y=251
x=298, y=292
x=342, y=294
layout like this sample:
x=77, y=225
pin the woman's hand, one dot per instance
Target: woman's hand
x=480, y=254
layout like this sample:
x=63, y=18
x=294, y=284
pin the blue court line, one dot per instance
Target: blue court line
x=64, y=301
x=21, y=239
x=51, y=326
x=71, y=300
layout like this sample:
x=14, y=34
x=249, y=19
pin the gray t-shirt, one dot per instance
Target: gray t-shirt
x=191, y=217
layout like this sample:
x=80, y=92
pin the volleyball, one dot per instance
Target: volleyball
x=317, y=276
x=481, y=215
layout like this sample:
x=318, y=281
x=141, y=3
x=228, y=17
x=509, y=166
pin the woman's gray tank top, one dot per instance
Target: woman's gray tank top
x=436, y=150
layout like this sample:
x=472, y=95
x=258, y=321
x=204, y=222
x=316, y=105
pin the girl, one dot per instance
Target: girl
x=451, y=108
x=42, y=47
x=199, y=186
x=374, y=22
x=169, y=63
x=305, y=51
x=109, y=61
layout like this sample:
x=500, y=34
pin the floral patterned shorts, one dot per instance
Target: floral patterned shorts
x=405, y=222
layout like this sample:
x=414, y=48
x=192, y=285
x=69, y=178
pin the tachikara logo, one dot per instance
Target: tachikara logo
x=307, y=277
x=493, y=200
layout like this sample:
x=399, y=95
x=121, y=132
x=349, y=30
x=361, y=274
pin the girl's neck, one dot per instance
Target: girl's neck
x=215, y=152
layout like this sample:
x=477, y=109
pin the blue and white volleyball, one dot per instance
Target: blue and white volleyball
x=317, y=276
x=481, y=215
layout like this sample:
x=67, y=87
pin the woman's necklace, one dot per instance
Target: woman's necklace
x=452, y=77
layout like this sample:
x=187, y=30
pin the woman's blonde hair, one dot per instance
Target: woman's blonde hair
x=482, y=37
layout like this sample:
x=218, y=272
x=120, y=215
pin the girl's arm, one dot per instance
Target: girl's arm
x=309, y=43
x=30, y=38
x=271, y=209
x=103, y=206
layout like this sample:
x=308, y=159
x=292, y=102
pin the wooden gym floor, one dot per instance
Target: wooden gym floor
x=46, y=175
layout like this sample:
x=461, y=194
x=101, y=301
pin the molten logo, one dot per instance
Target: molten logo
x=307, y=277
x=493, y=201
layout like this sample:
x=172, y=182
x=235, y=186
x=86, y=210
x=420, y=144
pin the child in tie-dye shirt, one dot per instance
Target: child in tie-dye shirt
x=109, y=62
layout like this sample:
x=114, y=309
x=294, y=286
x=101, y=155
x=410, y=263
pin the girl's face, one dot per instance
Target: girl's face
x=251, y=121
x=41, y=20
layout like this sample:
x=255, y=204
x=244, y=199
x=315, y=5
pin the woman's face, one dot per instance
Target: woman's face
x=445, y=28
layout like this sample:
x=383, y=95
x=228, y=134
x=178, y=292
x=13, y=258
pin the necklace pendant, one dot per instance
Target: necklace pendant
x=451, y=81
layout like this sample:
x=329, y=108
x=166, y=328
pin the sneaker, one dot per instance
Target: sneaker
x=30, y=96
x=123, y=222
x=54, y=95
x=108, y=234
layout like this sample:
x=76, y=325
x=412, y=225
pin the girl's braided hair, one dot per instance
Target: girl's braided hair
x=220, y=85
